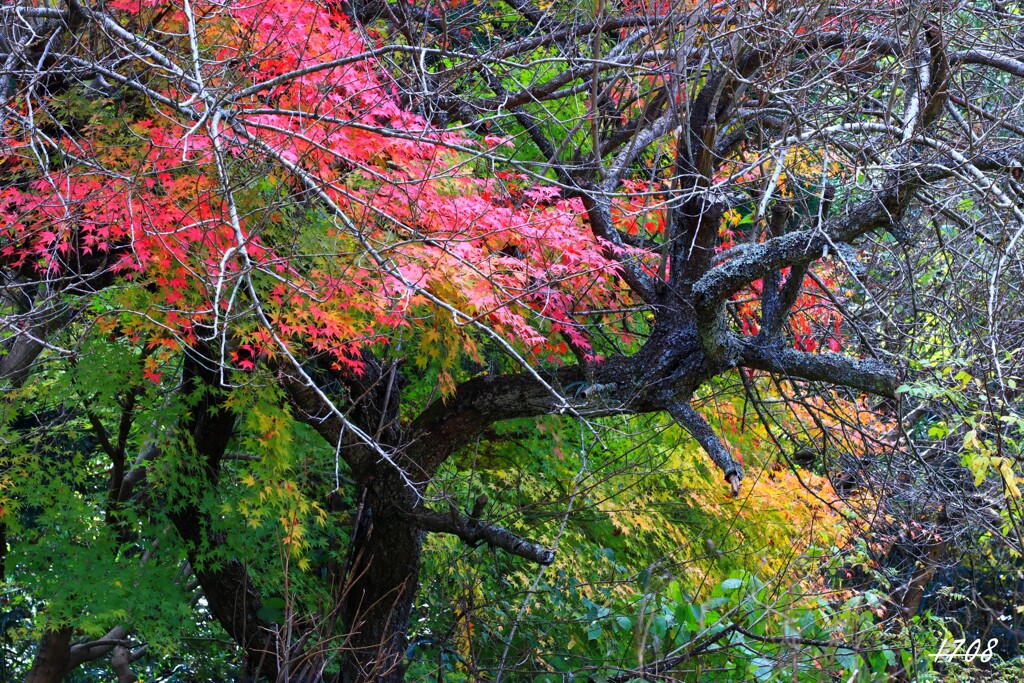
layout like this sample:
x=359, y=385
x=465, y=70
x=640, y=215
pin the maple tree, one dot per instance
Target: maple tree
x=379, y=231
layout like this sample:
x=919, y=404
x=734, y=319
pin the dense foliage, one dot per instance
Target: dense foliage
x=391, y=340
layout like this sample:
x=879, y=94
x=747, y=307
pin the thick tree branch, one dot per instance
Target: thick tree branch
x=869, y=375
x=449, y=424
x=776, y=304
x=804, y=246
x=92, y=650
x=988, y=58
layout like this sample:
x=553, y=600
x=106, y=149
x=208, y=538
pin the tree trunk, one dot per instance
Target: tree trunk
x=378, y=598
x=53, y=658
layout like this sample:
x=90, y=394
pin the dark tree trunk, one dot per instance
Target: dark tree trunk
x=53, y=658
x=378, y=599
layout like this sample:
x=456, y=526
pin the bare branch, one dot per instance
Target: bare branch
x=698, y=427
x=473, y=532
